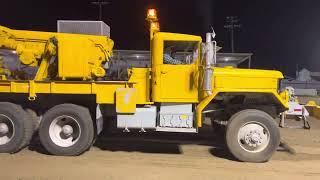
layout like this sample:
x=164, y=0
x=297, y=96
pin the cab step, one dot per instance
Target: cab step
x=170, y=129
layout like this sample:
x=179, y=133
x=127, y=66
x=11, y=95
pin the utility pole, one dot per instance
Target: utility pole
x=232, y=23
x=100, y=4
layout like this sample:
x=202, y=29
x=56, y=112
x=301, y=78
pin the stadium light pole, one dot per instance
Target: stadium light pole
x=100, y=4
x=232, y=23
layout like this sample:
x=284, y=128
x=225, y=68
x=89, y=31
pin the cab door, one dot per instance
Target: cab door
x=178, y=73
x=179, y=83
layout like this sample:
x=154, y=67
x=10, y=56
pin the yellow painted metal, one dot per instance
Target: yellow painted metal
x=311, y=103
x=32, y=91
x=104, y=90
x=204, y=102
x=173, y=83
x=79, y=56
x=178, y=83
x=50, y=50
x=126, y=100
x=235, y=80
x=207, y=99
x=284, y=95
x=140, y=78
x=3, y=71
x=313, y=109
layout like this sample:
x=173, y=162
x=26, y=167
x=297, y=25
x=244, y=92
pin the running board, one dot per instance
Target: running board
x=184, y=130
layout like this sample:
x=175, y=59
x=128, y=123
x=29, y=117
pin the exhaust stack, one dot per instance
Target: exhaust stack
x=210, y=61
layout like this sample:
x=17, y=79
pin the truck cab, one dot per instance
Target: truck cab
x=171, y=81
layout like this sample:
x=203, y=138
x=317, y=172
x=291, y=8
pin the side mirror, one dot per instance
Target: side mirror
x=213, y=34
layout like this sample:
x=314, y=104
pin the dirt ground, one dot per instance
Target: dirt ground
x=168, y=156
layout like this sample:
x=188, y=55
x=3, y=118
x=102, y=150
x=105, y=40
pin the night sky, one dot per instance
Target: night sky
x=281, y=34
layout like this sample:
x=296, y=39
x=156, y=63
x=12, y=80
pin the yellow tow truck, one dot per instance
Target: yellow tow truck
x=62, y=78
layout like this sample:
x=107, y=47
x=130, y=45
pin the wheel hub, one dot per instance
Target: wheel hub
x=67, y=130
x=64, y=131
x=7, y=130
x=4, y=129
x=253, y=137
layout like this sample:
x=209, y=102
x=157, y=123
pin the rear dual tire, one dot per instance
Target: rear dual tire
x=16, y=128
x=66, y=130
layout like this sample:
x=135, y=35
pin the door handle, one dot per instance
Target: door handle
x=164, y=72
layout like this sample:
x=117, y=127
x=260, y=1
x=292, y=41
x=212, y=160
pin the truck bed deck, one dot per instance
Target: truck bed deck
x=104, y=90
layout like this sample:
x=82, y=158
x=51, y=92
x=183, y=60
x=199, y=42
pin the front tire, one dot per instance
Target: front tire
x=252, y=136
x=67, y=130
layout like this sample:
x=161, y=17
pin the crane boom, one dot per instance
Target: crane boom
x=76, y=56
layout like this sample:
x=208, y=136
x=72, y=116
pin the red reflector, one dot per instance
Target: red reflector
x=297, y=110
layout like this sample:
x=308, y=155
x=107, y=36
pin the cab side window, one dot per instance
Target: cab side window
x=180, y=52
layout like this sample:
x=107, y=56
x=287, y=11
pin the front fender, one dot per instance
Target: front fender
x=203, y=103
